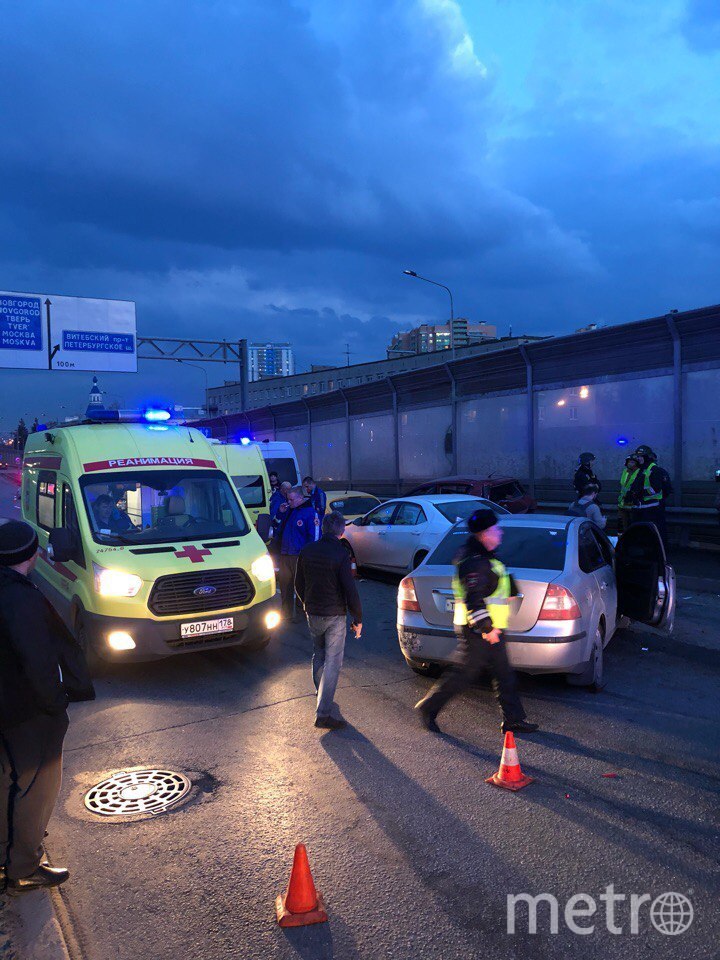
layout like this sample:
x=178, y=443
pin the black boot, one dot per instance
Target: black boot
x=330, y=723
x=427, y=717
x=44, y=876
x=519, y=726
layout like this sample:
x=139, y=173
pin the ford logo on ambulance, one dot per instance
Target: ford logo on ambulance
x=204, y=591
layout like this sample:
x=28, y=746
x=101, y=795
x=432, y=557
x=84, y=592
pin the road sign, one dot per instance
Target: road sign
x=84, y=333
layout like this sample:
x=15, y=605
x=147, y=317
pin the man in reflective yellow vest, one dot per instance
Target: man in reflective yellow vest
x=627, y=494
x=652, y=486
x=482, y=588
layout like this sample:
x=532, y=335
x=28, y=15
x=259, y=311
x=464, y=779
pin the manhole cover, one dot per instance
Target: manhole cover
x=134, y=792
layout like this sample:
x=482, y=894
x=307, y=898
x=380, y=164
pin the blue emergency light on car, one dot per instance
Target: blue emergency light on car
x=622, y=441
x=245, y=441
x=156, y=416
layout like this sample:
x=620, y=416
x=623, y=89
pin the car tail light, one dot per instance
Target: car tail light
x=407, y=598
x=559, y=604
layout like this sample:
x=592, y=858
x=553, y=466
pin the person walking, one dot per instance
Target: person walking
x=316, y=496
x=326, y=589
x=652, y=487
x=627, y=494
x=482, y=588
x=41, y=669
x=299, y=525
x=585, y=473
x=585, y=506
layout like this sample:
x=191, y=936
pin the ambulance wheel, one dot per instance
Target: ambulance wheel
x=92, y=658
x=592, y=674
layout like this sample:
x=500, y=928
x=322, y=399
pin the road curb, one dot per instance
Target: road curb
x=34, y=929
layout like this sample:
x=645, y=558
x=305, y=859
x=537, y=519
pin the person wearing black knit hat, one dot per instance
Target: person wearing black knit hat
x=41, y=669
x=482, y=588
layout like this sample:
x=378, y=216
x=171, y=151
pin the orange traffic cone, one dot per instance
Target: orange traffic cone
x=301, y=904
x=509, y=776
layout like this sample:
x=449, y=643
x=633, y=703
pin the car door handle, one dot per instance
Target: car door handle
x=415, y=534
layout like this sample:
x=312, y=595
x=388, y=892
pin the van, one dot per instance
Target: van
x=279, y=456
x=146, y=550
x=244, y=464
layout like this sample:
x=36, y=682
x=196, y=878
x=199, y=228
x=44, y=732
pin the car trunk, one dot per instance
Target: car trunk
x=434, y=593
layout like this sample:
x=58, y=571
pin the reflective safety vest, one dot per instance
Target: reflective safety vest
x=650, y=496
x=497, y=603
x=626, y=481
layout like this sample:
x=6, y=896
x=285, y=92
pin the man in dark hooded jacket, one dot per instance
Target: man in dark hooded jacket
x=41, y=670
x=585, y=474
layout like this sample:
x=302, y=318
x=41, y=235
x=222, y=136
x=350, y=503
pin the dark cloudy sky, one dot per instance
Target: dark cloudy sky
x=269, y=167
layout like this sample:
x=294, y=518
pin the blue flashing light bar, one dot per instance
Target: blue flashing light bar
x=245, y=441
x=157, y=416
x=622, y=441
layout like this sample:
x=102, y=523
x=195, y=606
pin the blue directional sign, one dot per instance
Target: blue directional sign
x=84, y=333
x=21, y=331
x=99, y=342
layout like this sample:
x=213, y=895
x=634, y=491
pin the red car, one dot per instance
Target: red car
x=505, y=491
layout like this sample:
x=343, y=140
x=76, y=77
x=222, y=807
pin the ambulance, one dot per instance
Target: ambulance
x=146, y=550
x=244, y=464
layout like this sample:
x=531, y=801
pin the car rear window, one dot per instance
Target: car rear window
x=531, y=548
x=505, y=491
x=454, y=510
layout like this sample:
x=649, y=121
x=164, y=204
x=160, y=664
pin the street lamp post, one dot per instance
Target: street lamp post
x=197, y=366
x=411, y=273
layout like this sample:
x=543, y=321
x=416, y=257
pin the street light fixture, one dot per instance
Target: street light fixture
x=412, y=273
x=197, y=367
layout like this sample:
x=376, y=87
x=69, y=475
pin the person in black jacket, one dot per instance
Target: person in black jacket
x=41, y=669
x=326, y=588
x=585, y=474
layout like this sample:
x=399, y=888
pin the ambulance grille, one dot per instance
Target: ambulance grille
x=174, y=595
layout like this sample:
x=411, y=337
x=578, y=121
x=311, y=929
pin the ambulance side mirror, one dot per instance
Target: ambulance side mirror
x=263, y=525
x=61, y=545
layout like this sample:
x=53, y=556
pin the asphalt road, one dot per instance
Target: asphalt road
x=414, y=853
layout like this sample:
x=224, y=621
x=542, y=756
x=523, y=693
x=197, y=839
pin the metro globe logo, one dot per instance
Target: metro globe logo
x=670, y=913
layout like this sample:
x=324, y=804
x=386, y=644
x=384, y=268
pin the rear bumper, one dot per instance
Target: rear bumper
x=155, y=639
x=554, y=651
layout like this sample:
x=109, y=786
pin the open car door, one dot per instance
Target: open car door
x=645, y=580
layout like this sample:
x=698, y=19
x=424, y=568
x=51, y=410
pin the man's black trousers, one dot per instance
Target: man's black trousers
x=287, y=567
x=474, y=657
x=30, y=775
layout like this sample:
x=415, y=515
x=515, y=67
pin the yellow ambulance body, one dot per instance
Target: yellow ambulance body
x=146, y=550
x=244, y=464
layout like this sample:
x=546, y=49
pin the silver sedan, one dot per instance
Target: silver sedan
x=399, y=534
x=574, y=589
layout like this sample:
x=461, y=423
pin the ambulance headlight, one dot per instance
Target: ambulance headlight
x=263, y=568
x=115, y=583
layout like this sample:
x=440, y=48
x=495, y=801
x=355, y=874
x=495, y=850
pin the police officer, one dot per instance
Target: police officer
x=299, y=525
x=482, y=588
x=627, y=492
x=584, y=474
x=651, y=488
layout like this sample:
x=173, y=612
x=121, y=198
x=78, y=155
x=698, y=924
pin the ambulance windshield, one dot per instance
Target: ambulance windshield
x=161, y=506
